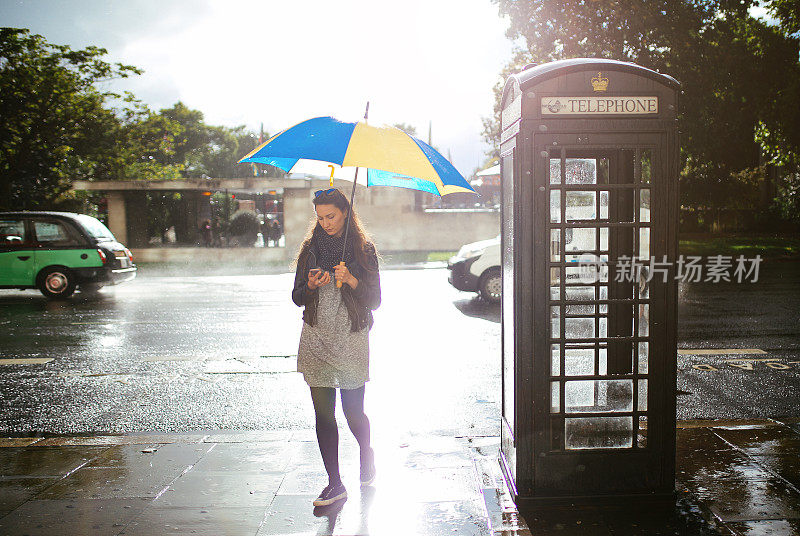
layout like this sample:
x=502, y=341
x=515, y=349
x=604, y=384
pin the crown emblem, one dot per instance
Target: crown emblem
x=599, y=83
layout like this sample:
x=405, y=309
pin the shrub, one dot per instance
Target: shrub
x=245, y=226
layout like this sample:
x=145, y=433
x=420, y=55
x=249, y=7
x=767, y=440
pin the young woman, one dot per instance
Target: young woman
x=334, y=343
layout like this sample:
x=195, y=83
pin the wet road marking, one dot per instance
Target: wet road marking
x=720, y=351
x=172, y=358
x=26, y=361
x=750, y=359
x=748, y=364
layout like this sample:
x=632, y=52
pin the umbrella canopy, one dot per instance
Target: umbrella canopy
x=393, y=158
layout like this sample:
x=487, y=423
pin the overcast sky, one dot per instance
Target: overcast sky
x=248, y=62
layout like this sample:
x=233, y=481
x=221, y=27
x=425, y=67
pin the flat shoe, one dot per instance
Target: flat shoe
x=330, y=494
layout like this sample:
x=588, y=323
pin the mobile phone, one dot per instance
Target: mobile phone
x=315, y=271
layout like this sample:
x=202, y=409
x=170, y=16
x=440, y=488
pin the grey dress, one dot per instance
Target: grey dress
x=330, y=354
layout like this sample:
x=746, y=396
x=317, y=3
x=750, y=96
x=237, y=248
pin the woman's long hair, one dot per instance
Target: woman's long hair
x=362, y=243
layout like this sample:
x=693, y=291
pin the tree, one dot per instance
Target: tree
x=740, y=75
x=788, y=14
x=55, y=121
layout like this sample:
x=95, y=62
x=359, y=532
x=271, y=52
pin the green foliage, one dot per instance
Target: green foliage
x=55, y=126
x=740, y=76
x=58, y=126
x=787, y=12
x=787, y=202
x=246, y=226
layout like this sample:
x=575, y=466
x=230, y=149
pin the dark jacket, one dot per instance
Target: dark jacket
x=360, y=302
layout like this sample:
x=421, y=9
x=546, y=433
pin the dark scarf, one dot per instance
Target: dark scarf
x=329, y=250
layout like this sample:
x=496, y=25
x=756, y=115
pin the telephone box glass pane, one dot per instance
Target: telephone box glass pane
x=555, y=322
x=555, y=245
x=642, y=403
x=555, y=278
x=555, y=206
x=582, y=239
x=579, y=328
x=644, y=205
x=555, y=293
x=578, y=362
x=581, y=205
x=598, y=433
x=646, y=164
x=582, y=271
x=598, y=396
x=508, y=381
x=644, y=286
x=555, y=170
x=579, y=293
x=584, y=309
x=555, y=398
x=581, y=171
x=644, y=243
x=643, y=351
x=603, y=362
x=644, y=320
x=641, y=440
x=604, y=205
x=555, y=360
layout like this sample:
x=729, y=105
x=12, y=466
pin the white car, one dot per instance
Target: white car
x=476, y=268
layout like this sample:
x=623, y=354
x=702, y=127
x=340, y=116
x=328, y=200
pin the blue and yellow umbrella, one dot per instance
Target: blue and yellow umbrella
x=392, y=157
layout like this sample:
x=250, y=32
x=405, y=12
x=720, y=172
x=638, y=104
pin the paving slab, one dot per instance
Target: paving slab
x=109, y=483
x=198, y=521
x=785, y=465
x=711, y=467
x=699, y=440
x=294, y=514
x=748, y=500
x=221, y=488
x=779, y=527
x=110, y=440
x=14, y=491
x=18, y=441
x=762, y=440
x=744, y=476
x=73, y=517
x=169, y=458
x=248, y=457
x=36, y=461
x=256, y=436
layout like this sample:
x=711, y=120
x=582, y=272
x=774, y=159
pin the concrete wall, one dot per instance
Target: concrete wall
x=388, y=215
x=210, y=255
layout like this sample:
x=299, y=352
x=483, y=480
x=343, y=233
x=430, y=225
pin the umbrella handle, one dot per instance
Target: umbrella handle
x=339, y=283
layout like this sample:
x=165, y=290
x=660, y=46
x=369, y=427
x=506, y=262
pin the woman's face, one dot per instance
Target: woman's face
x=331, y=219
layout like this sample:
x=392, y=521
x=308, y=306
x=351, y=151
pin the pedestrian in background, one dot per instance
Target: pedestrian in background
x=206, y=234
x=334, y=343
x=275, y=232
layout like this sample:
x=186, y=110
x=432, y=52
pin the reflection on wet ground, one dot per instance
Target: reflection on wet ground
x=478, y=308
x=733, y=478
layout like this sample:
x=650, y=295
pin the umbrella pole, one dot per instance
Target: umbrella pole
x=349, y=212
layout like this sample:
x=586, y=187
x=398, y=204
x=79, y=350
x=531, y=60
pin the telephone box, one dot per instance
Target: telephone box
x=589, y=172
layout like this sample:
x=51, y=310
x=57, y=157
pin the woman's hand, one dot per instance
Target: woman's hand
x=318, y=278
x=344, y=275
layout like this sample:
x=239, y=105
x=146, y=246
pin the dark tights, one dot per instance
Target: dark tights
x=324, y=399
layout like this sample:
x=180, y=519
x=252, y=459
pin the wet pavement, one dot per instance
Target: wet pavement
x=734, y=478
x=196, y=374
x=218, y=352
